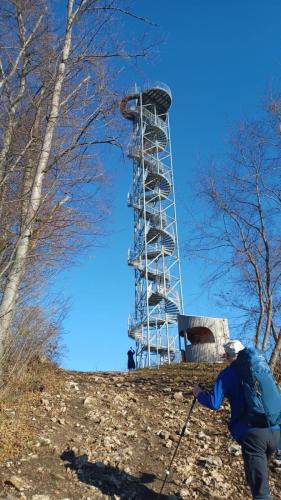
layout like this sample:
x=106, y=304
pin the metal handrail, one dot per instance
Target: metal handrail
x=154, y=120
x=156, y=247
x=158, y=85
x=161, y=176
x=158, y=167
x=164, y=290
x=147, y=86
x=136, y=324
x=162, y=228
x=166, y=219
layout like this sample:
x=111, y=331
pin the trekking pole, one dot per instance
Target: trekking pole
x=175, y=452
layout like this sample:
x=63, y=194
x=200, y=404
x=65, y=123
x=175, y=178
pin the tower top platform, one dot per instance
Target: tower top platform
x=152, y=93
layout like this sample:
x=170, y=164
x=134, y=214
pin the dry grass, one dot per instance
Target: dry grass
x=203, y=373
x=16, y=424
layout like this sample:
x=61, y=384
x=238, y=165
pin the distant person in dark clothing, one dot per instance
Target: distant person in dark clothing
x=131, y=361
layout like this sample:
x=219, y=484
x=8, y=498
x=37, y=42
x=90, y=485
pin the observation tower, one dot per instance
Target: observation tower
x=154, y=255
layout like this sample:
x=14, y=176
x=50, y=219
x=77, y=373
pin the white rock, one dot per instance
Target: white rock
x=43, y=441
x=202, y=435
x=89, y=401
x=217, y=476
x=168, y=443
x=96, y=419
x=276, y=462
x=18, y=483
x=210, y=461
x=46, y=404
x=184, y=493
x=72, y=385
x=234, y=449
x=178, y=395
x=188, y=480
x=163, y=435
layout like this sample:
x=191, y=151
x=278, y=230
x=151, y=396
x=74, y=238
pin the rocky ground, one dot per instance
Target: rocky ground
x=93, y=436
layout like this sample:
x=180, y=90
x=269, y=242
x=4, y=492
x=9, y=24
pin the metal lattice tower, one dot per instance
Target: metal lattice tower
x=155, y=254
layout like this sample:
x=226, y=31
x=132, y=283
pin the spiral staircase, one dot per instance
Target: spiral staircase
x=155, y=256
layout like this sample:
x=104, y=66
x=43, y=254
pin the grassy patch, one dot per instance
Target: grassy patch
x=17, y=426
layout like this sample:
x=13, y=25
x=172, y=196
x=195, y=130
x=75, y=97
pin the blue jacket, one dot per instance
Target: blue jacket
x=228, y=385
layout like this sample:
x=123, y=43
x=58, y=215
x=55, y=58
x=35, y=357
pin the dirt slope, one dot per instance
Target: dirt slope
x=112, y=435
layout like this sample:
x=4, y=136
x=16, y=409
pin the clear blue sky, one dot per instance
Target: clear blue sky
x=219, y=59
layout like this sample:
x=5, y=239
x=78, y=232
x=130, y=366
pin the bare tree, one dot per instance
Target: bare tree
x=240, y=235
x=59, y=111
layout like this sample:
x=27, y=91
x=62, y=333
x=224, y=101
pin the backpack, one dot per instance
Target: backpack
x=261, y=394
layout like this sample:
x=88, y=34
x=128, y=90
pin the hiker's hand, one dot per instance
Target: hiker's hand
x=196, y=390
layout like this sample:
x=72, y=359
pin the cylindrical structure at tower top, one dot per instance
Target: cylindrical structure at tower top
x=155, y=253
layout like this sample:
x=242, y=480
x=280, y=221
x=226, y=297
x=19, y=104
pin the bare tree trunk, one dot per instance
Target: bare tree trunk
x=18, y=267
x=267, y=263
x=14, y=101
x=276, y=352
x=268, y=323
x=26, y=41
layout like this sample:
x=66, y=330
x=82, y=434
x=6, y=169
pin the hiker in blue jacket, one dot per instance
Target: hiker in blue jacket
x=258, y=441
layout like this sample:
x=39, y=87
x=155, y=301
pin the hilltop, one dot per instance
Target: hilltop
x=90, y=436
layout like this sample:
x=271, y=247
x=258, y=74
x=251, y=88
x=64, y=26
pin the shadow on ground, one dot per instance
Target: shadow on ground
x=111, y=480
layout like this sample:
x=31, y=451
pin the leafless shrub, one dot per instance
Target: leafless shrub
x=37, y=335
